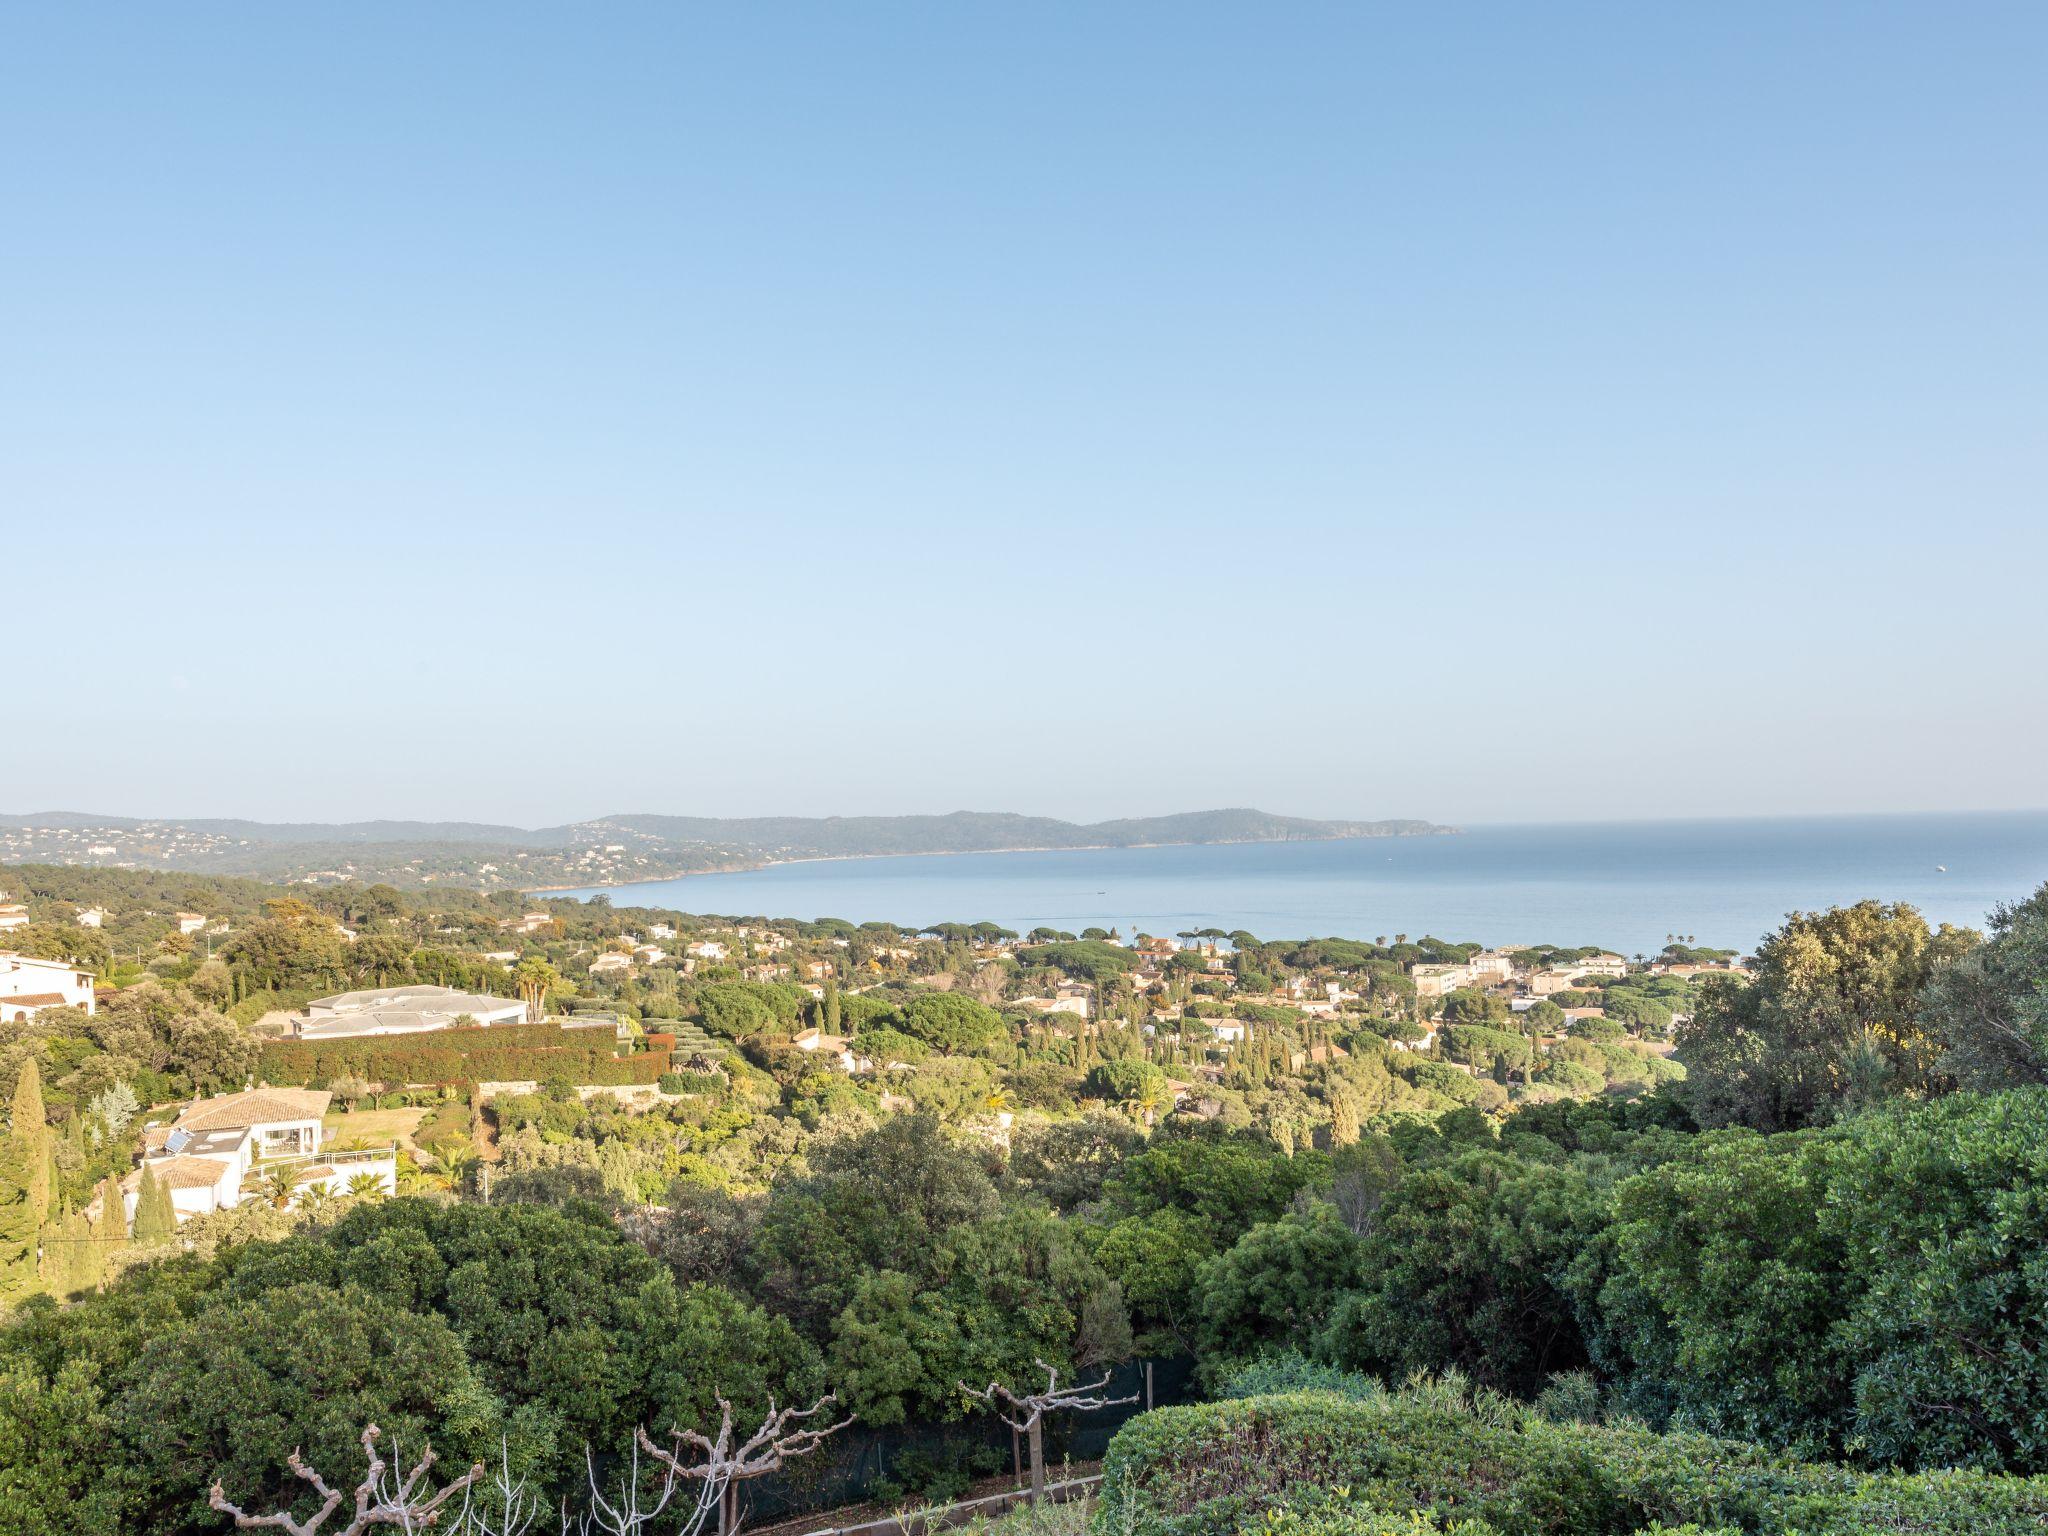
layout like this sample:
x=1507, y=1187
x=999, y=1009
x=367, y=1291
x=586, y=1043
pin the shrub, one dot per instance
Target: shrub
x=1311, y=1461
x=1292, y=1371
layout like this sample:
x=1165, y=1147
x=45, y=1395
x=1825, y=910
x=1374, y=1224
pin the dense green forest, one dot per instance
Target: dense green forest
x=1796, y=1206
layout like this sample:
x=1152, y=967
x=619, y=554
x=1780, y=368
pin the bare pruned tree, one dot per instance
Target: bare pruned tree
x=1025, y=1411
x=723, y=1461
x=650, y=1485
x=387, y=1495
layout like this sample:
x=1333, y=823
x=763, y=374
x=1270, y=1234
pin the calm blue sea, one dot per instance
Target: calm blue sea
x=1625, y=885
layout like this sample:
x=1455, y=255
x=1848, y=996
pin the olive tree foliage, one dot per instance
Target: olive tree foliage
x=1989, y=1008
x=1831, y=1022
x=1874, y=1287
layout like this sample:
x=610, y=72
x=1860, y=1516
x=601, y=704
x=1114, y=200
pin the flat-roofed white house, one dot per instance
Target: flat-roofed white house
x=92, y=917
x=12, y=915
x=408, y=1010
x=29, y=985
x=219, y=1152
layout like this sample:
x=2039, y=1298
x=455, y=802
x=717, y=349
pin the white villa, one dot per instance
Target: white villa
x=217, y=1152
x=29, y=985
x=409, y=1010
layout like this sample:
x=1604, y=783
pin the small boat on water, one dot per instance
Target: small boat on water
x=1941, y=869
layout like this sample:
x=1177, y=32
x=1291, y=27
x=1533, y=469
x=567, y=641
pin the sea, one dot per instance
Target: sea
x=1629, y=886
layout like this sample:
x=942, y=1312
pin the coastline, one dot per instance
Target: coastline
x=957, y=853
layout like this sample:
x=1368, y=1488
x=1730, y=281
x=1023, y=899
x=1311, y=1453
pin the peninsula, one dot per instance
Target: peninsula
x=608, y=850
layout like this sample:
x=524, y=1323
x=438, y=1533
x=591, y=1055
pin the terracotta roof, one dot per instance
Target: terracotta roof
x=182, y=1172
x=254, y=1106
x=34, y=1000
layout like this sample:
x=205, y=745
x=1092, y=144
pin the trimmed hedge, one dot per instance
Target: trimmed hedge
x=1317, y=1461
x=506, y=1052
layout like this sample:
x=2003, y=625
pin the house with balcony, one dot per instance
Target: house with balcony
x=223, y=1150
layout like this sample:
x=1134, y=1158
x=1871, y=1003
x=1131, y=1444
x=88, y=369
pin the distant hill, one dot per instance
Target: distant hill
x=609, y=850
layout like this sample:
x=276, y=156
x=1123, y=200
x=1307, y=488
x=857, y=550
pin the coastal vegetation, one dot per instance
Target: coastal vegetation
x=1745, y=1242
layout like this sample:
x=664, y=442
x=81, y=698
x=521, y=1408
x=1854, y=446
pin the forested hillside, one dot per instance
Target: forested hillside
x=881, y=1164
x=607, y=850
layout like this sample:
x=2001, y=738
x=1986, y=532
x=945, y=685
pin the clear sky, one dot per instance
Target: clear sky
x=1476, y=412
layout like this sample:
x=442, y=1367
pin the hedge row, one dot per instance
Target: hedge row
x=508, y=1053
x=1319, y=1461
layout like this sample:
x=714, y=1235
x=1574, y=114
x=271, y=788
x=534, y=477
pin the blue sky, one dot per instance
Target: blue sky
x=1478, y=413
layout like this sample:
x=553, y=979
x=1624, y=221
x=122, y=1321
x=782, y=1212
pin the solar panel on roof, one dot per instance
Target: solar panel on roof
x=177, y=1141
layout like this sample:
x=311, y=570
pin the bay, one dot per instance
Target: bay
x=1625, y=885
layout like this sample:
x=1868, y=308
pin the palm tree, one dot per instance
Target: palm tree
x=278, y=1185
x=316, y=1201
x=997, y=1101
x=414, y=1177
x=367, y=1186
x=456, y=1154
x=1144, y=1101
x=535, y=979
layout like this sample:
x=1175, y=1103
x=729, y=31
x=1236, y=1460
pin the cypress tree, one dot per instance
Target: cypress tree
x=155, y=1221
x=30, y=1133
x=67, y=1252
x=24, y=1185
x=110, y=1234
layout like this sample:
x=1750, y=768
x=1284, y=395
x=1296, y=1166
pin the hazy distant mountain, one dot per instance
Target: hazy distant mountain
x=609, y=850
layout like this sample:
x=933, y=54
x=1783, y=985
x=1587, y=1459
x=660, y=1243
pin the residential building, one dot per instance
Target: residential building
x=707, y=949
x=92, y=917
x=190, y=922
x=1440, y=980
x=1563, y=978
x=837, y=1047
x=12, y=915
x=1491, y=967
x=531, y=922
x=611, y=965
x=219, y=1151
x=29, y=985
x=408, y=1010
